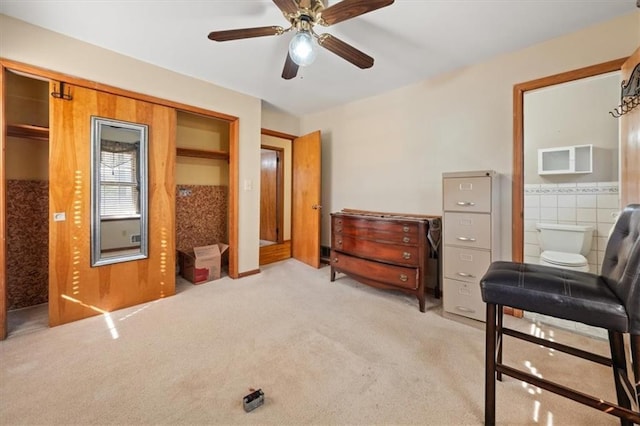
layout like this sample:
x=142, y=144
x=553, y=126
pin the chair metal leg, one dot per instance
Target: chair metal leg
x=619, y=366
x=490, y=367
x=500, y=313
x=635, y=366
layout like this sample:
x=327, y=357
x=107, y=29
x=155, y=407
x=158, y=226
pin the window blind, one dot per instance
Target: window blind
x=118, y=184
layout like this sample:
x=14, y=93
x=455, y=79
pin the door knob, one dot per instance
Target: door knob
x=316, y=206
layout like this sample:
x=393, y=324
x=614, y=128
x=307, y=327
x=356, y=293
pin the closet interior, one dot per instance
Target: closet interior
x=202, y=183
x=27, y=202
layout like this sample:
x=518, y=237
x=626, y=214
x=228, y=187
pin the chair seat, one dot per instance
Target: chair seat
x=572, y=295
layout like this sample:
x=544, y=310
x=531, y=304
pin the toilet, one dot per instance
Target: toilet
x=565, y=246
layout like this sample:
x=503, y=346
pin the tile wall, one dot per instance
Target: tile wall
x=596, y=204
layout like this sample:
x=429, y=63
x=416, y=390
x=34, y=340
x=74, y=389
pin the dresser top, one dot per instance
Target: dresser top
x=475, y=173
x=365, y=214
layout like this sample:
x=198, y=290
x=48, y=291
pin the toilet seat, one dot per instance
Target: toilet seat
x=567, y=260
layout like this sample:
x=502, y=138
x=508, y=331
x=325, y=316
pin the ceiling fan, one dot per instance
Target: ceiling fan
x=303, y=16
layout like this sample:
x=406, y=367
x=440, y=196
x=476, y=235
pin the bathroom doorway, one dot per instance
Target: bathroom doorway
x=569, y=123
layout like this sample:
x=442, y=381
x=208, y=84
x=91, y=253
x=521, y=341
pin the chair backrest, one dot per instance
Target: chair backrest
x=621, y=264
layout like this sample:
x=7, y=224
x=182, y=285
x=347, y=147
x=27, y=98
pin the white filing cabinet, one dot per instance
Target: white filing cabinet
x=470, y=238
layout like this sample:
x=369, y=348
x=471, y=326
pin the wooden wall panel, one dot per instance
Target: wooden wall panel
x=630, y=143
x=3, y=242
x=76, y=290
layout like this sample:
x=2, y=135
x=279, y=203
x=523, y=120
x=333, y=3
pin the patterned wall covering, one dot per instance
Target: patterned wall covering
x=201, y=215
x=27, y=243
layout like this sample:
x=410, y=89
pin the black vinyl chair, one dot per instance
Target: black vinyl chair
x=610, y=300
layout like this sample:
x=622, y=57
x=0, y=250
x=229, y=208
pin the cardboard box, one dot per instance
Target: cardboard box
x=202, y=263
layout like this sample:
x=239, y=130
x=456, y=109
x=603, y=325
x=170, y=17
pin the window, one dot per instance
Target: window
x=119, y=191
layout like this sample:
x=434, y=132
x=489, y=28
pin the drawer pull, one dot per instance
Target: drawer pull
x=338, y=229
x=406, y=239
x=406, y=255
x=403, y=278
x=469, y=239
x=466, y=203
x=465, y=309
x=464, y=274
x=339, y=221
x=339, y=242
x=405, y=228
x=335, y=260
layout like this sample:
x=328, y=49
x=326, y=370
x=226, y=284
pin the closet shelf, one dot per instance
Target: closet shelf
x=199, y=153
x=28, y=131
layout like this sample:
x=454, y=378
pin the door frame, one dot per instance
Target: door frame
x=234, y=125
x=517, y=190
x=282, y=250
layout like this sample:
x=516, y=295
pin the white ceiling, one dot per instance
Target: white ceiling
x=411, y=40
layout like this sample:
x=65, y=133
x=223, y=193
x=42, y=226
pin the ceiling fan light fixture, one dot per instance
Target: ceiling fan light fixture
x=303, y=48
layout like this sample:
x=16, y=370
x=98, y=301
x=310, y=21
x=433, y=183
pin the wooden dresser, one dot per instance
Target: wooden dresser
x=388, y=252
x=470, y=237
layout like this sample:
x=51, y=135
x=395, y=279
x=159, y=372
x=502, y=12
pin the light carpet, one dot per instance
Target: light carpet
x=322, y=352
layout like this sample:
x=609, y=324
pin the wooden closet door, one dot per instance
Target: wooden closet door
x=77, y=290
x=630, y=143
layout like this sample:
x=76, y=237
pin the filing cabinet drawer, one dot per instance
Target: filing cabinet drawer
x=467, y=230
x=466, y=264
x=463, y=298
x=468, y=194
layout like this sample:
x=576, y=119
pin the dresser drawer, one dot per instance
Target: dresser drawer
x=467, y=229
x=462, y=298
x=465, y=264
x=375, y=229
x=398, y=276
x=469, y=194
x=385, y=252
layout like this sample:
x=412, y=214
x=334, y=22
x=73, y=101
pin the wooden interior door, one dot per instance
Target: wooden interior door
x=305, y=221
x=630, y=143
x=268, y=195
x=77, y=290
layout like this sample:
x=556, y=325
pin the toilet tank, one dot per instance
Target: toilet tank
x=565, y=238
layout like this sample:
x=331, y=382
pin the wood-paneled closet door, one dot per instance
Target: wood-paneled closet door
x=630, y=143
x=76, y=290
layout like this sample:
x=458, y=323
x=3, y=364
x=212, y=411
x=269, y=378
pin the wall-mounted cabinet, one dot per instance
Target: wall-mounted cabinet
x=565, y=160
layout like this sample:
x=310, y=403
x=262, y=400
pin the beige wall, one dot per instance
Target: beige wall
x=276, y=119
x=33, y=45
x=388, y=152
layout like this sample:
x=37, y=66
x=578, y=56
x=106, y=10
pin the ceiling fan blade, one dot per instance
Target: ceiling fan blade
x=287, y=6
x=245, y=33
x=348, y=9
x=290, y=68
x=345, y=51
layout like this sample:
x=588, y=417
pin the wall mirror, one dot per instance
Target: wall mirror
x=118, y=191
